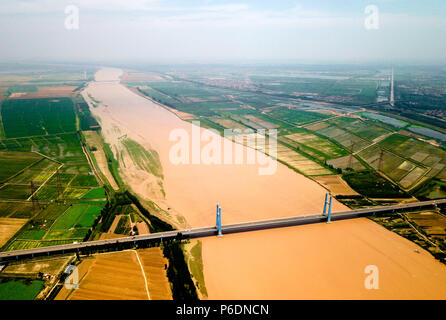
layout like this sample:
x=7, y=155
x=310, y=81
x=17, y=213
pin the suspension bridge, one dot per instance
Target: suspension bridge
x=219, y=230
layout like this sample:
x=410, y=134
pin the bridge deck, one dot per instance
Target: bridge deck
x=209, y=231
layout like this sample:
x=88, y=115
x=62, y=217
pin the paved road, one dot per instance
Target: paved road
x=207, y=231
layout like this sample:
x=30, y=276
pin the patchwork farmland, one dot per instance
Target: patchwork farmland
x=45, y=178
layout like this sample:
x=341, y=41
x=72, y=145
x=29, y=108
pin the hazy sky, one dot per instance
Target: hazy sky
x=224, y=31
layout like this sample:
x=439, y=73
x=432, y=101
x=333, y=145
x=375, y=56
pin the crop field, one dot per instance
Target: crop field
x=299, y=162
x=159, y=96
x=361, y=91
x=20, y=210
x=397, y=168
x=412, y=177
x=284, y=154
x=118, y=275
x=256, y=121
x=336, y=185
x=35, y=117
x=431, y=222
x=322, y=149
x=38, y=172
x=434, y=189
x=330, y=88
x=295, y=86
x=371, y=184
x=417, y=151
x=261, y=122
x=364, y=129
x=15, y=192
x=48, y=92
x=98, y=193
x=18, y=186
x=75, y=176
x=203, y=100
x=154, y=264
x=18, y=289
x=12, y=163
x=8, y=227
x=229, y=123
x=190, y=98
x=57, y=224
x=22, y=88
x=346, y=162
x=295, y=116
x=349, y=140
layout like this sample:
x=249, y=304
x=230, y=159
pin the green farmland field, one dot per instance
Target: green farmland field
x=13, y=162
x=56, y=224
x=15, y=210
x=68, y=220
x=34, y=117
x=371, y=184
x=98, y=193
x=296, y=116
x=22, y=88
x=20, y=289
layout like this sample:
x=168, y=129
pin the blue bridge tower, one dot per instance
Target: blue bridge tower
x=218, y=223
x=327, y=204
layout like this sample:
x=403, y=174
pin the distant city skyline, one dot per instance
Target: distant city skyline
x=212, y=31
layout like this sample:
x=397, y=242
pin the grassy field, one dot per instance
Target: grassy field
x=195, y=263
x=19, y=289
x=144, y=159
